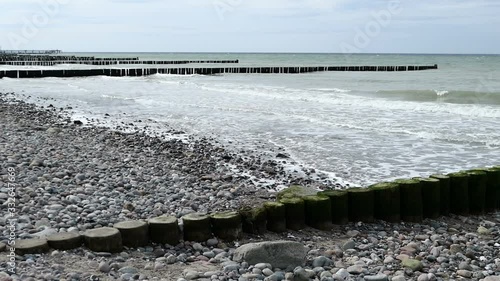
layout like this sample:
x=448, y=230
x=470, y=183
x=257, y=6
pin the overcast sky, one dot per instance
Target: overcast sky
x=369, y=26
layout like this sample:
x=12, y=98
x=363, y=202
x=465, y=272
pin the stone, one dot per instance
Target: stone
x=197, y=247
x=280, y=254
x=378, y=277
x=355, y=269
x=212, y=242
x=128, y=270
x=342, y=274
x=412, y=264
x=322, y=261
x=301, y=274
x=483, y=231
x=349, y=245
x=267, y=272
x=171, y=259
x=465, y=266
x=464, y=273
x=423, y=277
x=398, y=278
x=492, y=278
x=3, y=246
x=104, y=267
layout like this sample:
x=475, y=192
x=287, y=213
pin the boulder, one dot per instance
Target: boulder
x=280, y=254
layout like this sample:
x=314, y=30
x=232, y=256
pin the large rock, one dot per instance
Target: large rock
x=281, y=254
x=492, y=278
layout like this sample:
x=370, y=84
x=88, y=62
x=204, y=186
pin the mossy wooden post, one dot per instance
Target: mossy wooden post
x=431, y=197
x=496, y=180
x=411, y=200
x=492, y=181
x=164, y=230
x=254, y=219
x=294, y=213
x=339, y=200
x=477, y=191
x=444, y=186
x=197, y=227
x=226, y=225
x=318, y=211
x=459, y=193
x=276, y=216
x=65, y=241
x=387, y=202
x=134, y=233
x=361, y=204
x=104, y=239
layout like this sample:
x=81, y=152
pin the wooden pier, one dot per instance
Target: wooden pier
x=201, y=71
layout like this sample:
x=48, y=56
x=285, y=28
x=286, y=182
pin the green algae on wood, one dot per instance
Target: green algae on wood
x=339, y=200
x=276, y=216
x=254, y=219
x=361, y=205
x=318, y=212
x=164, y=230
x=411, y=200
x=431, y=197
x=387, y=202
x=444, y=186
x=294, y=213
x=459, y=193
x=226, y=225
x=196, y=227
x=295, y=191
x=134, y=233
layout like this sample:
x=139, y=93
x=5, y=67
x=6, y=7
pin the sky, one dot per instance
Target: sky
x=323, y=26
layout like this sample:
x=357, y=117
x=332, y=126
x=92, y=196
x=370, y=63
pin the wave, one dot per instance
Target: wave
x=445, y=96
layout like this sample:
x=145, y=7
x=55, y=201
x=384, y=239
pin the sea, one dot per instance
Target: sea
x=357, y=127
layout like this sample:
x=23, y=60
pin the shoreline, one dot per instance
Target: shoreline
x=72, y=178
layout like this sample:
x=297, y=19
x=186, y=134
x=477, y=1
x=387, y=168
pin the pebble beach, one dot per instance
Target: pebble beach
x=70, y=178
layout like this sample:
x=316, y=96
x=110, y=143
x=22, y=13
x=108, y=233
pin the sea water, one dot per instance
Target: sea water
x=359, y=127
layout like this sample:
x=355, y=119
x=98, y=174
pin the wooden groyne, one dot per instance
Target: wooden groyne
x=112, y=62
x=34, y=52
x=471, y=192
x=201, y=71
x=46, y=58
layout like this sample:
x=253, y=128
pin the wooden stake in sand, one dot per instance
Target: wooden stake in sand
x=387, y=201
x=361, y=204
x=226, y=225
x=295, y=213
x=339, y=200
x=197, y=227
x=134, y=233
x=276, y=216
x=164, y=230
x=254, y=219
x=318, y=211
x=65, y=241
x=105, y=239
x=31, y=246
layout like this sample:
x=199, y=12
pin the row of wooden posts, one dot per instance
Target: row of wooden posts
x=469, y=192
x=198, y=70
x=47, y=58
x=113, y=62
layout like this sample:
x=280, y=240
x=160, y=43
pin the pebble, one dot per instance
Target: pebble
x=104, y=267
